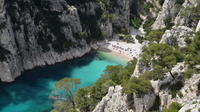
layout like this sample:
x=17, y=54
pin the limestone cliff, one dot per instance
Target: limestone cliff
x=116, y=101
x=179, y=19
x=43, y=32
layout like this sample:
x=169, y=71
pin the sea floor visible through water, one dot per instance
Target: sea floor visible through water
x=30, y=92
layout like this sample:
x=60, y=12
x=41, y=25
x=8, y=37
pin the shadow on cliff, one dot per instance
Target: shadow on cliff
x=38, y=79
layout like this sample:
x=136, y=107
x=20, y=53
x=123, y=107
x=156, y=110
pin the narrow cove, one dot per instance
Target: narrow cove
x=29, y=93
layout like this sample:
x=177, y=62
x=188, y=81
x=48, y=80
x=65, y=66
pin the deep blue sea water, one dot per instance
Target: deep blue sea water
x=29, y=93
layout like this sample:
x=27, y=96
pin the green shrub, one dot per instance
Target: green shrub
x=87, y=98
x=161, y=2
x=179, y=2
x=161, y=58
x=148, y=23
x=192, y=13
x=166, y=55
x=154, y=35
x=188, y=40
x=137, y=85
x=189, y=110
x=180, y=94
x=136, y=22
x=173, y=93
x=193, y=51
x=139, y=38
x=168, y=22
x=156, y=74
x=107, y=15
x=188, y=73
x=82, y=35
x=127, y=38
x=174, y=107
x=147, y=7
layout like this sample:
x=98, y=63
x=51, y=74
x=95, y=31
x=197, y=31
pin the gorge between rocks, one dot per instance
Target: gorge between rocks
x=30, y=93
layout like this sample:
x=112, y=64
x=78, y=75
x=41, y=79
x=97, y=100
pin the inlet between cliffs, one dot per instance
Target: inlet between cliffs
x=29, y=93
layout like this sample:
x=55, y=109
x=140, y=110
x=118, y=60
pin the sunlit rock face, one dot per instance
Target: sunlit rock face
x=116, y=101
x=177, y=36
x=198, y=27
x=167, y=10
x=42, y=32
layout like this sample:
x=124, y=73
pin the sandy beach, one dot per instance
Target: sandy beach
x=124, y=57
x=123, y=49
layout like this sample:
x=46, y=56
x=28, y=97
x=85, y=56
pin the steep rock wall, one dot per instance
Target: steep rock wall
x=42, y=32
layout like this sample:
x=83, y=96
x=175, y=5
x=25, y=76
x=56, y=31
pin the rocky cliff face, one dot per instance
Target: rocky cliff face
x=178, y=13
x=175, y=18
x=116, y=101
x=42, y=32
x=168, y=9
x=177, y=36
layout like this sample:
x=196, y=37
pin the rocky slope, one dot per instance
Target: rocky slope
x=178, y=29
x=43, y=32
x=116, y=101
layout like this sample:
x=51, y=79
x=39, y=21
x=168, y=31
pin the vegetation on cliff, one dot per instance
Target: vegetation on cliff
x=161, y=57
x=86, y=99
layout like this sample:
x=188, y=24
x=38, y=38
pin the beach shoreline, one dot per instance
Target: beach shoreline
x=124, y=57
x=123, y=49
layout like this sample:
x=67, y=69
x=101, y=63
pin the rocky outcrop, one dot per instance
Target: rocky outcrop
x=116, y=101
x=168, y=80
x=191, y=107
x=155, y=9
x=189, y=97
x=177, y=36
x=198, y=27
x=183, y=18
x=190, y=90
x=43, y=32
x=140, y=67
x=179, y=33
x=167, y=11
x=177, y=14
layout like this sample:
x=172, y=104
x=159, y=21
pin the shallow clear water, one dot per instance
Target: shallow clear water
x=30, y=92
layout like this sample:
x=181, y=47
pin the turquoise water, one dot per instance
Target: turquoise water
x=30, y=92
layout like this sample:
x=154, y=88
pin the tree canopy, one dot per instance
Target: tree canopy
x=162, y=57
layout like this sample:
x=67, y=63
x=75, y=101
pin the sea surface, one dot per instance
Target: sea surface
x=30, y=92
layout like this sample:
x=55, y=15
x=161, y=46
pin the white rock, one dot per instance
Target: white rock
x=116, y=101
x=198, y=27
x=167, y=10
x=177, y=34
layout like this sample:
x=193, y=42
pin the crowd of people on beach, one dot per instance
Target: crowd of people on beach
x=129, y=50
x=125, y=49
